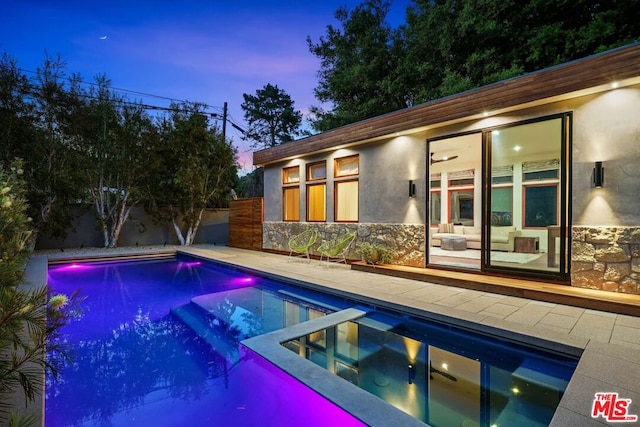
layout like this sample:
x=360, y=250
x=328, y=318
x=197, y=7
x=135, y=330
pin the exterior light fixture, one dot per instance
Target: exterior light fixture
x=412, y=189
x=598, y=175
x=411, y=373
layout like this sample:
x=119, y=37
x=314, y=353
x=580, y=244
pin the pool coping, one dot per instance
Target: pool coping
x=602, y=367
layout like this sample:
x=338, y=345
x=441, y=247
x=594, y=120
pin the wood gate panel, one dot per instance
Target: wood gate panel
x=245, y=223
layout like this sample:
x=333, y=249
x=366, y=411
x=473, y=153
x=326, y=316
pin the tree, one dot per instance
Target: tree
x=192, y=168
x=29, y=322
x=114, y=138
x=53, y=165
x=252, y=184
x=271, y=117
x=449, y=46
x=34, y=124
x=357, y=67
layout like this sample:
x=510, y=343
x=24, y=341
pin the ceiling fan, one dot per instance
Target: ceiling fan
x=444, y=159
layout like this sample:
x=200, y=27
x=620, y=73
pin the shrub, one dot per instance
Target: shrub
x=375, y=253
x=29, y=325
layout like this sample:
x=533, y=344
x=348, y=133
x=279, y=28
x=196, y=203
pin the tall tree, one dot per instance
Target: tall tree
x=357, y=67
x=193, y=168
x=271, y=117
x=53, y=165
x=114, y=136
x=449, y=46
x=34, y=119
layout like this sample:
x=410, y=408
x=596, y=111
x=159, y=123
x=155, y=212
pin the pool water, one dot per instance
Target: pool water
x=159, y=344
x=440, y=374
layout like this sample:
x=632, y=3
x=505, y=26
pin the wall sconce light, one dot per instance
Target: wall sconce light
x=412, y=189
x=412, y=373
x=598, y=175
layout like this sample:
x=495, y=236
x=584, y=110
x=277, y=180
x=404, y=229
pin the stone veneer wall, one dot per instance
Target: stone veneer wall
x=606, y=258
x=406, y=240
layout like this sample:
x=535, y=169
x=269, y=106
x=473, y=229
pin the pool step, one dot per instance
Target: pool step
x=219, y=337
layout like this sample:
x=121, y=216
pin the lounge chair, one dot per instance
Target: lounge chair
x=335, y=250
x=300, y=244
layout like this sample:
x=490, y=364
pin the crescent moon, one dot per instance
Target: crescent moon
x=103, y=38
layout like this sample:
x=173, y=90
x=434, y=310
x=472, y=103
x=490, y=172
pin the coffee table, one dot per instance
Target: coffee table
x=453, y=243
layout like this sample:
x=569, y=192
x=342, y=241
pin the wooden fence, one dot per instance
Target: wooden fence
x=245, y=223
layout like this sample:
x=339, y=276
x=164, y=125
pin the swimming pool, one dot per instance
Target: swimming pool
x=160, y=344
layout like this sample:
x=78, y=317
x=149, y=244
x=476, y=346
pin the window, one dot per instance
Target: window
x=461, y=207
x=435, y=203
x=347, y=166
x=502, y=206
x=346, y=200
x=540, y=205
x=291, y=204
x=317, y=171
x=316, y=202
x=541, y=198
x=291, y=175
x=346, y=190
x=461, y=196
x=317, y=192
x=435, y=207
x=291, y=194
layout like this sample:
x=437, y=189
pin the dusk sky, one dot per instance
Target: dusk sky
x=196, y=50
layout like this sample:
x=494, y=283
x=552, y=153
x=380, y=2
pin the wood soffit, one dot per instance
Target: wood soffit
x=595, y=71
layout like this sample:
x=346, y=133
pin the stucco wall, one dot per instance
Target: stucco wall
x=605, y=128
x=385, y=170
x=140, y=230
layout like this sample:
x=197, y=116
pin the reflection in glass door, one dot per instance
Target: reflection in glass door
x=527, y=196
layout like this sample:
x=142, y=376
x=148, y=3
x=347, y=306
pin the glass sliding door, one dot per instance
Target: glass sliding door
x=455, y=201
x=527, y=196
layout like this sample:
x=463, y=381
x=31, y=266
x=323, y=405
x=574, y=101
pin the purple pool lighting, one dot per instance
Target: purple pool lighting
x=192, y=263
x=244, y=280
x=159, y=344
x=73, y=267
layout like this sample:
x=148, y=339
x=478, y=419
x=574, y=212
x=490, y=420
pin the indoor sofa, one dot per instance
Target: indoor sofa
x=502, y=237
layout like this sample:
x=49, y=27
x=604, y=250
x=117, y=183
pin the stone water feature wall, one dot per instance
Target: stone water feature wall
x=606, y=258
x=406, y=240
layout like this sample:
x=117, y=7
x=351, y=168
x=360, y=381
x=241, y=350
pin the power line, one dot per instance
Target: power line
x=135, y=92
x=215, y=115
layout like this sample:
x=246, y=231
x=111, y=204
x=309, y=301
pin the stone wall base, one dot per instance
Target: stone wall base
x=606, y=258
x=603, y=258
x=406, y=240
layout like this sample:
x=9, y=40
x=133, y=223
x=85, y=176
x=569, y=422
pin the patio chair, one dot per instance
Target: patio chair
x=335, y=250
x=300, y=244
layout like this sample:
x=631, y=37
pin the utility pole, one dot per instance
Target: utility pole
x=224, y=122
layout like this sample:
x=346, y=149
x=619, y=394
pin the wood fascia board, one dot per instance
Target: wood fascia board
x=564, y=81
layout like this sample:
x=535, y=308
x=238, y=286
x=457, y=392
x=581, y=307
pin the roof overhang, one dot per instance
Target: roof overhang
x=573, y=79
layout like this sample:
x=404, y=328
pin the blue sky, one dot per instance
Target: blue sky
x=208, y=51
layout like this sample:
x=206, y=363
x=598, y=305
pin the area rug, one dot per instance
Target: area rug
x=496, y=256
x=469, y=253
x=514, y=257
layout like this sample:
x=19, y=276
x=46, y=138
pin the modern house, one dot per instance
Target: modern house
x=536, y=176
